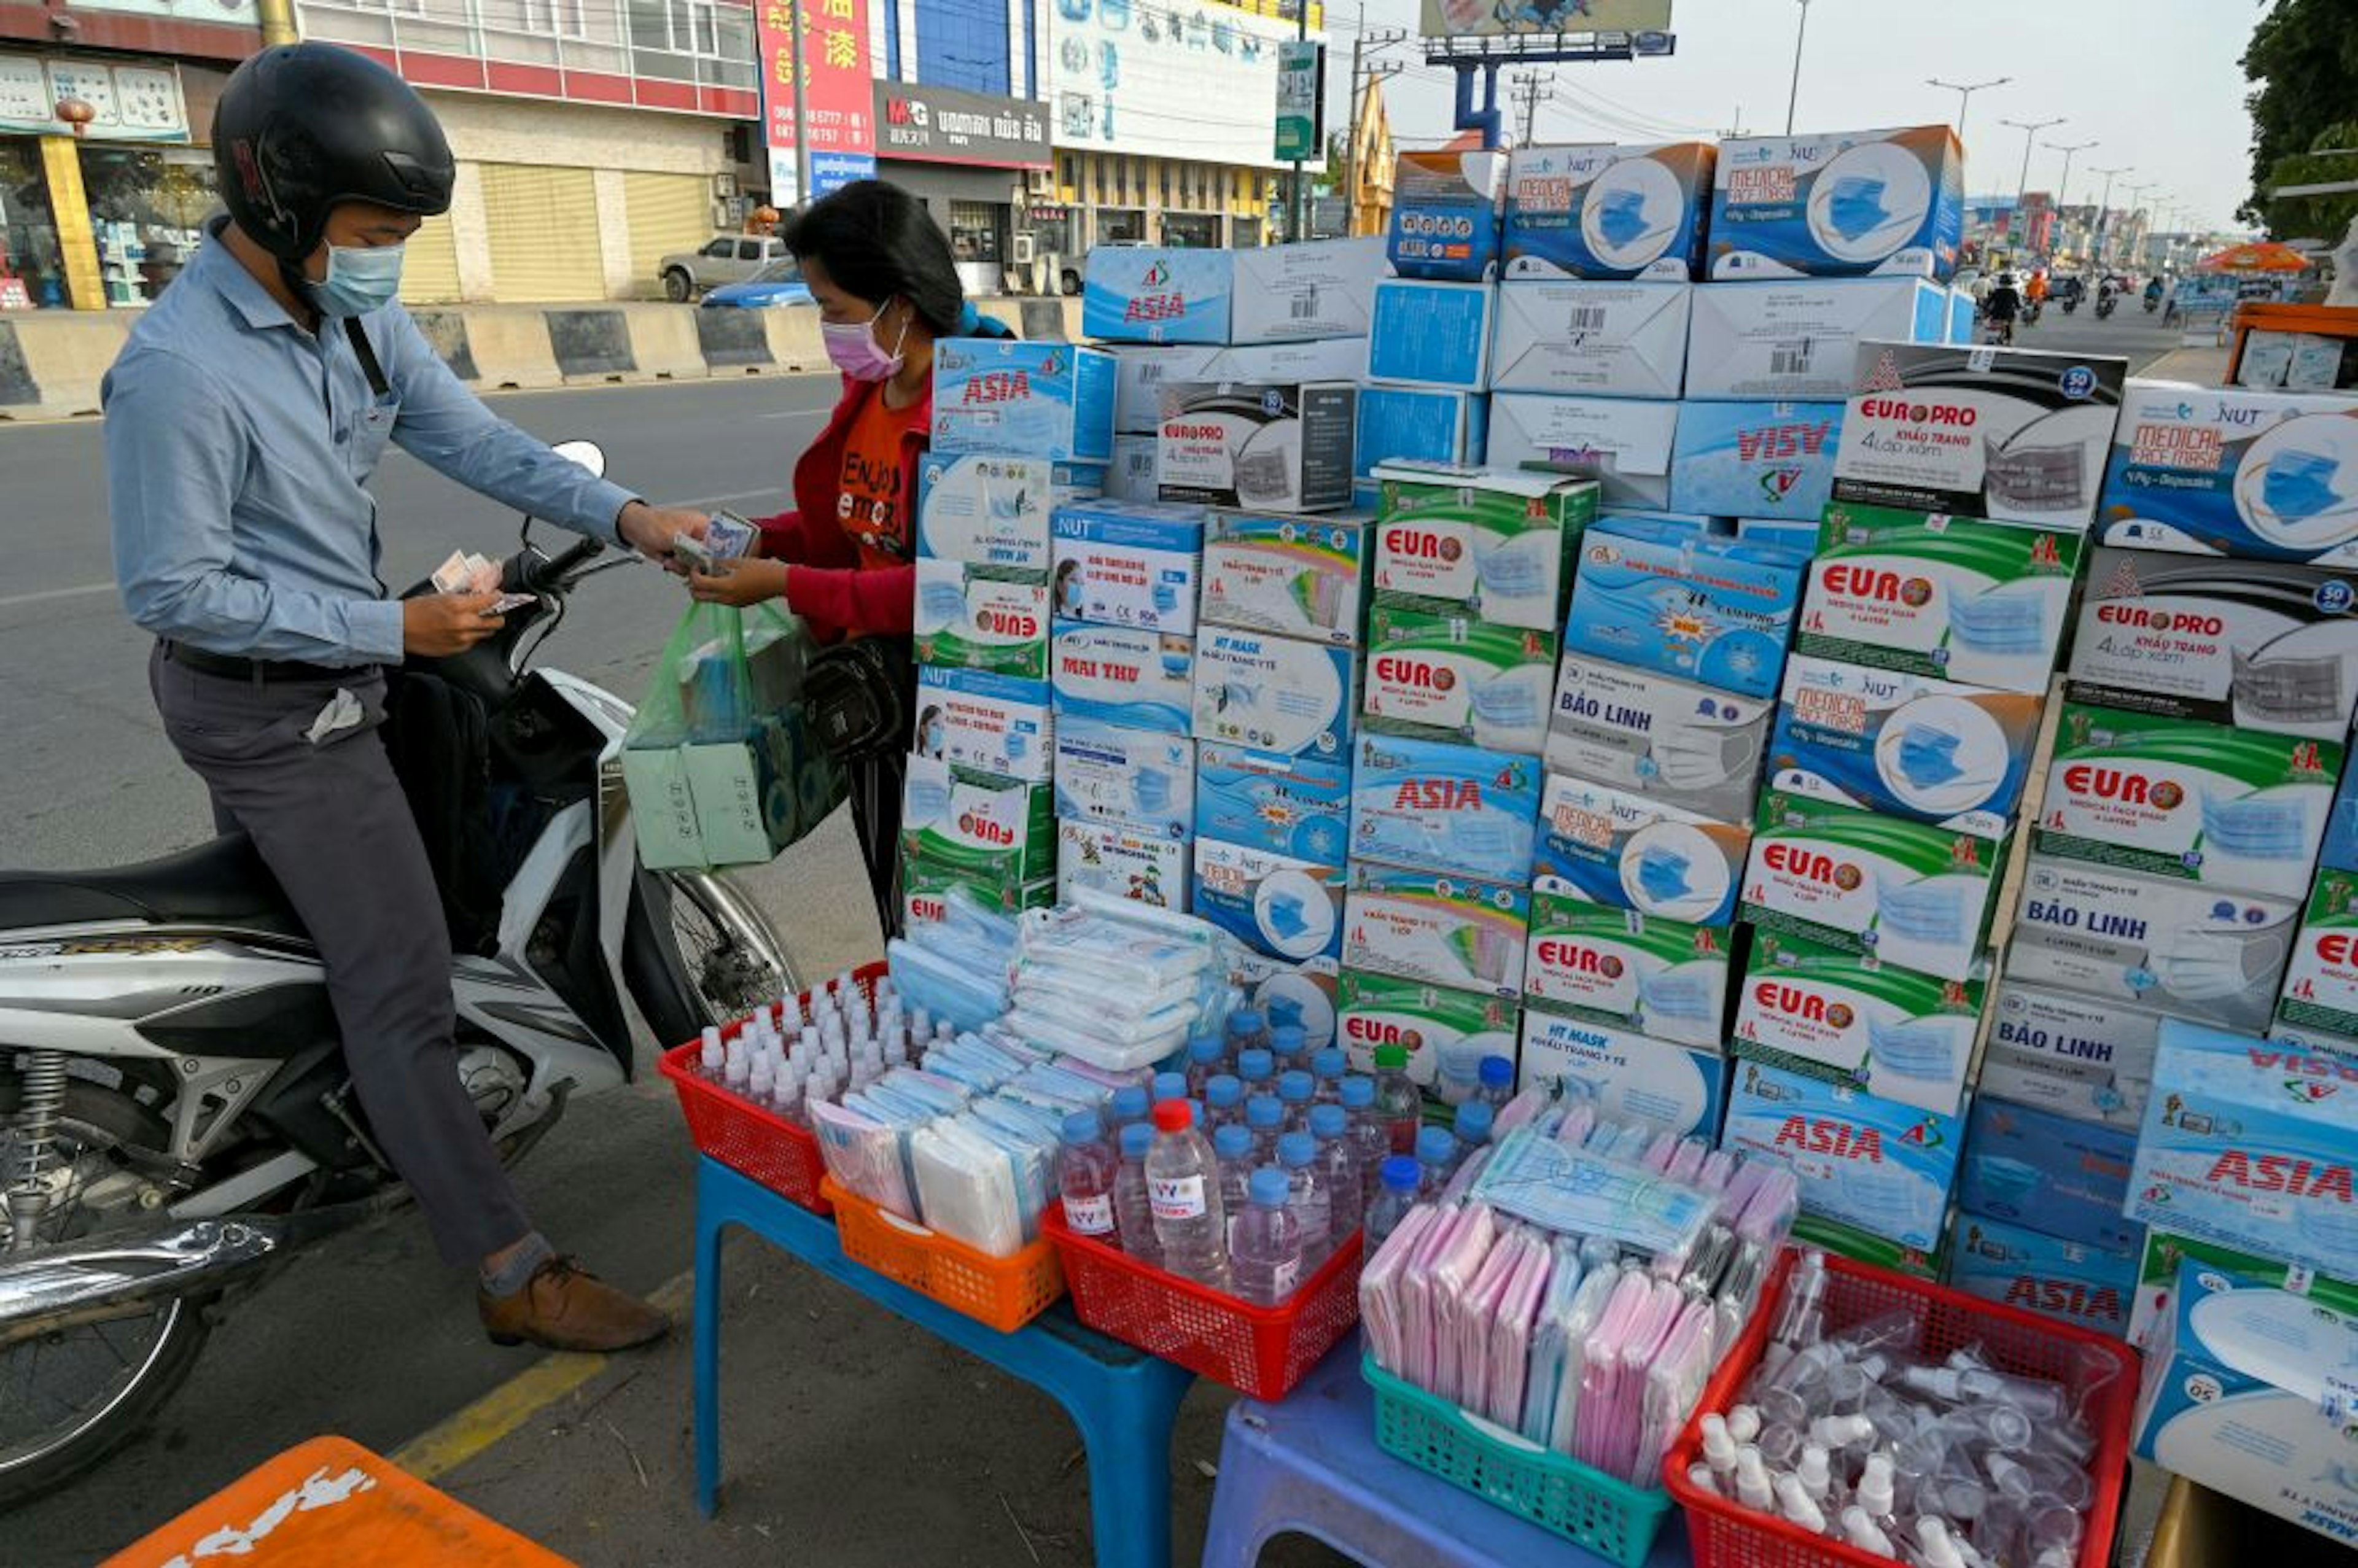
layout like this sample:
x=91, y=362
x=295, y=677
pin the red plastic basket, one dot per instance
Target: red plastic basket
x=753, y=1139
x=1724, y=1534
x=1261, y=1351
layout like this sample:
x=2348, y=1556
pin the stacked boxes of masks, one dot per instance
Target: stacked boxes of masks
x=1426, y=397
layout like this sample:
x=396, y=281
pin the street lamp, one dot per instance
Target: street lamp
x=2105, y=205
x=1964, y=91
x=2029, y=129
x=1792, y=96
x=2069, y=150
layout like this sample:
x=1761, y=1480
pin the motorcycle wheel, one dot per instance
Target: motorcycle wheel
x=719, y=942
x=71, y=1398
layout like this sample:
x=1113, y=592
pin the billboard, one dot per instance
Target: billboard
x=773, y=48
x=838, y=101
x=1301, y=93
x=1498, y=18
x=1200, y=86
x=945, y=125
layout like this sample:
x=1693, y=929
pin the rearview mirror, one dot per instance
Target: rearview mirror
x=589, y=454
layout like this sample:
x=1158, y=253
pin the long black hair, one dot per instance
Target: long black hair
x=877, y=242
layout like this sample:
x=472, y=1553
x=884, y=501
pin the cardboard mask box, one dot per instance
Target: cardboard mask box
x=1441, y=928
x=1689, y=747
x=1630, y=1075
x=1110, y=772
x=1500, y=543
x=2069, y=1280
x=1853, y=1019
x=988, y=825
x=1276, y=904
x=1295, y=576
x=1598, y=339
x=1445, y=1032
x=1314, y=289
x=1442, y=806
x=989, y=511
x=1142, y=371
x=1447, y=207
x=2069, y=1178
x=1301, y=996
x=1154, y=294
x=1125, y=675
x=1435, y=672
x=1630, y=852
x=1799, y=337
x=2222, y=472
x=1126, y=563
x=1125, y=861
x=1275, y=694
x=1602, y=212
x=994, y=723
x=1432, y=334
x=981, y=618
x=1839, y=205
x=2083, y=1057
x=1759, y=462
x=1662, y=978
x=1287, y=447
x=1654, y=597
x=1885, y=1167
x=1276, y=801
x=1015, y=398
x=1418, y=423
x=1624, y=444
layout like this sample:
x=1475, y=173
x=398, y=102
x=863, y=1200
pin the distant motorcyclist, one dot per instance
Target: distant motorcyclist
x=2000, y=308
x=2153, y=293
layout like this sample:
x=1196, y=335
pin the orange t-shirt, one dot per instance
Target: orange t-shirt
x=869, y=507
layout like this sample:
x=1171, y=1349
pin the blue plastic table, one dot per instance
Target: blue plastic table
x=1123, y=1400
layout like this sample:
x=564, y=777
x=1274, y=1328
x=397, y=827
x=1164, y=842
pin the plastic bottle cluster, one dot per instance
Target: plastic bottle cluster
x=787, y=1057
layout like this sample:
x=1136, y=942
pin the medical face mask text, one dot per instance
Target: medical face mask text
x=851, y=347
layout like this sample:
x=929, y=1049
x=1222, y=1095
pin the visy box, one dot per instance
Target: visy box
x=1015, y=398
x=1435, y=672
x=1761, y=461
x=1283, y=447
x=1710, y=610
x=1839, y=205
x=1502, y=544
x=1604, y=211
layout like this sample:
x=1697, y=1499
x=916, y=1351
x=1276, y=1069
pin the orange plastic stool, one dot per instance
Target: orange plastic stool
x=330, y=1503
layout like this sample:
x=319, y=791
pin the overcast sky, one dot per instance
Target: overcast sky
x=2153, y=83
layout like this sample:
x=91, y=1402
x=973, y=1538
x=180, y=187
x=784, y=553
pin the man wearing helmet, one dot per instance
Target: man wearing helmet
x=243, y=420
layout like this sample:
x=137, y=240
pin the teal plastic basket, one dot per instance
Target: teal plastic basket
x=1589, y=1507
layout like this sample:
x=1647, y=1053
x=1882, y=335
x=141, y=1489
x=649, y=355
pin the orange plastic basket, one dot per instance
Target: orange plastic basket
x=1002, y=1292
x=2101, y=1372
x=749, y=1139
x=1256, y=1350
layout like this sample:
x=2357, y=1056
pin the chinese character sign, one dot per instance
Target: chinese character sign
x=838, y=101
x=773, y=44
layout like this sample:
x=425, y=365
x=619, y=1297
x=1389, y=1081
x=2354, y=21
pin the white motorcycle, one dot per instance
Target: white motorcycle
x=175, y=1116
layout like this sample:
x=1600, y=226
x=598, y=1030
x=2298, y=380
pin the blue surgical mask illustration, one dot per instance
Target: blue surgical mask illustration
x=2204, y=965
x=1999, y=621
x=1927, y=756
x=1930, y=912
x=941, y=604
x=1689, y=991
x=1662, y=874
x=1856, y=206
x=1621, y=216
x=2299, y=485
x=2255, y=828
x=1915, y=1047
x=1285, y=916
x=1515, y=569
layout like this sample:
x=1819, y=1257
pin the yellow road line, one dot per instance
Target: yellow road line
x=456, y=1439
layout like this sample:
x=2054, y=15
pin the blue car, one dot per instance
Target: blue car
x=780, y=283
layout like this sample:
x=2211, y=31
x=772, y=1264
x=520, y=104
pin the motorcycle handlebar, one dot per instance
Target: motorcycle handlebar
x=545, y=576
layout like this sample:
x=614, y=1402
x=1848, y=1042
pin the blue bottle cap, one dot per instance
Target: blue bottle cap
x=1329, y=1121
x=1296, y=1149
x=1498, y=1073
x=1474, y=1119
x=1400, y=1173
x=1269, y=1187
x=1232, y=1142
x=1289, y=1039
x=1080, y=1126
x=1205, y=1048
x=1130, y=1104
x=1358, y=1093
x=1296, y=1086
x=1331, y=1063
x=1222, y=1090
x=1137, y=1138
x=1169, y=1086
x=1264, y=1111
x=1435, y=1145
x=1246, y=1021
x=1255, y=1064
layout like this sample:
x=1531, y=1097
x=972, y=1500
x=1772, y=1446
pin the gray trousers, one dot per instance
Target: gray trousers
x=332, y=824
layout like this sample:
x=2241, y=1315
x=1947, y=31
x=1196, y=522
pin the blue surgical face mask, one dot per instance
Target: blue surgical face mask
x=1621, y=217
x=1662, y=874
x=361, y=278
x=1929, y=913
x=1927, y=756
x=1914, y=1048
x=1692, y=992
x=2255, y=828
x=2299, y=485
x=1855, y=206
x=1996, y=620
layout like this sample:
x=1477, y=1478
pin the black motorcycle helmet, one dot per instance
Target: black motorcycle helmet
x=301, y=130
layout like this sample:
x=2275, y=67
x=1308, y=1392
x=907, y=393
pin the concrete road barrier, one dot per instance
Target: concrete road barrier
x=794, y=341
x=512, y=346
x=52, y=363
x=664, y=343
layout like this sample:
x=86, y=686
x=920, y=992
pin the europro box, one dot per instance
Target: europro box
x=1111, y=773
x=1716, y=611
x=1757, y=460
x=1622, y=443
x=1864, y=1161
x=1445, y=1032
x=1125, y=675
x=1156, y=294
x=1014, y=399
x=1839, y=205
x=1276, y=801
x=1418, y=423
x=2257, y=644
x=1599, y=339
x=1276, y=694
x=2077, y=1056
x=1295, y=576
x=1285, y=448
x=977, y=822
x=999, y=724
x=1626, y=1075
x=1310, y=289
x=1442, y=806
x=1690, y=747
x=1276, y=904
x=2069, y=1178
x=1126, y=563
x=981, y=618
x=1629, y=851
x=1447, y=207
x=1442, y=928
x=1799, y=337
x=1142, y=371
x=1433, y=670
x=1854, y=1019
x=1662, y=978
x=1128, y=862
x=1500, y=543
x=1432, y=334
x=2068, y=1280
x=2224, y=471
x=1602, y=212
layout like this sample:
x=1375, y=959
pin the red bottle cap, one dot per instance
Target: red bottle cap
x=1173, y=1116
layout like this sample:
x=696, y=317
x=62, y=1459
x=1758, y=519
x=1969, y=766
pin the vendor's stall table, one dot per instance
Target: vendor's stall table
x=1123, y=1400
x=1310, y=1466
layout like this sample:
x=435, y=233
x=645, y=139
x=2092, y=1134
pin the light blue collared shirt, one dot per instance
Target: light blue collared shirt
x=238, y=452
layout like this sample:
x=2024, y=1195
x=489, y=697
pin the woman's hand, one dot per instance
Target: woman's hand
x=740, y=582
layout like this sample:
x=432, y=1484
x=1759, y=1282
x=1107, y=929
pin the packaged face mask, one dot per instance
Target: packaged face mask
x=1799, y=337
x=1683, y=745
x=1445, y=930
x=1286, y=448
x=2008, y=434
x=1447, y=676
x=1274, y=694
x=1126, y=861
x=1662, y=978
x=2069, y=1178
x=1141, y=372
x=1840, y=205
x=1627, y=1075
x=1437, y=1026
x=1602, y=212
x=1301, y=996
x=1273, y=903
x=1625, y=850
x=1903, y=744
x=2321, y=988
x=1715, y=612
x=2077, y=1056
x=1298, y=576
x=1825, y=1012
x=2190, y=950
x=993, y=723
x=1110, y=772
x=1596, y=339
x=980, y=619
x=1575, y=1192
x=1446, y=215
x=2069, y=1280
x=2257, y=644
x=1502, y=545
x=993, y=826
x=1145, y=680
x=1885, y=1167
x=1126, y=563
x=1011, y=397
x=2157, y=1269
x=1979, y=602
x=2173, y=797
x=1756, y=460
x=2268, y=476
x=1623, y=443
x=989, y=511
x=1142, y=293
x=1432, y=334
x=1917, y=896
x=1275, y=801
x=1443, y=807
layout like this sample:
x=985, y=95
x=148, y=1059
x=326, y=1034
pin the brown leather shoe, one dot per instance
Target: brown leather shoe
x=566, y=1307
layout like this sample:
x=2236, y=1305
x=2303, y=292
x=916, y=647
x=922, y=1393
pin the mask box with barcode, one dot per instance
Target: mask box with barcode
x=1319, y=288
x=1797, y=340
x=1622, y=443
x=1142, y=371
x=1599, y=339
x=1036, y=399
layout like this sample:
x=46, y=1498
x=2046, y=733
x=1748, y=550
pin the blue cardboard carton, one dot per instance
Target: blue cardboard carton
x=1609, y=211
x=1024, y=399
x=1839, y=205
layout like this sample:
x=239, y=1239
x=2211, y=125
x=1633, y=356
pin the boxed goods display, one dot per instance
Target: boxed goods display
x=1298, y=995
x=1136, y=471
x=979, y=823
x=1622, y=443
x=1442, y=806
x=1445, y=1032
x=1276, y=904
x=2069, y=1178
x=927, y=889
x=2320, y=986
x=1285, y=448
x=1439, y=928
x=1886, y=1168
x=1798, y=339
x=1111, y=773
x=2079, y=1056
x=993, y=723
x=1905, y=745
x=1126, y=563
x=1602, y=212
x=1832, y=1236
x=1787, y=533
x=2091, y=1286
x=1839, y=205
x=1655, y=597
x=1010, y=397
x=1129, y=862
x=2257, y=644
x=2221, y=471
x=978, y=617
x=1500, y=543
x=1756, y=460
x=2164, y=1251
x=986, y=511
x=1853, y=1019
x=1418, y=423
x=1683, y=745
x=1312, y=289
x=1157, y=294
x=1447, y=207
x=1627, y=850
x=1275, y=694
x=2339, y=847
x=1437, y=673
x=1629, y=1076
x=1662, y=977
x=1984, y=603
x=1144, y=680
x=1274, y=800
x=1142, y=371
x=1432, y=334
x=1298, y=576
x=1599, y=339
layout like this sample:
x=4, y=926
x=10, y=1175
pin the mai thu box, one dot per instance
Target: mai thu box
x=1143, y=371
x=1442, y=806
x=1438, y=927
x=1604, y=211
x=1839, y=205
x=1275, y=694
x=1128, y=862
x=1037, y=399
x=1295, y=576
x=1623, y=443
x=2237, y=809
x=1596, y=340
x=1297, y=995
x=2257, y=644
x=981, y=618
x=1683, y=745
x=1499, y=542
x=2078, y=1057
x=1276, y=801
x=1140, y=679
x=1885, y=1167
x=1662, y=978
x=1447, y=207
x=1906, y=744
x=1800, y=337
x=1716, y=611
x=1418, y=423
x=2157, y=1267
x=1626, y=1075
x=1158, y=293
x=1111, y=773
x=1126, y=563
x=1435, y=671
x=2320, y=986
x=1980, y=603
x=2069, y=1178
x=2069, y=1280
x=989, y=825
x=1432, y=334
x=1629, y=851
x=989, y=511
x=2013, y=434
x=1445, y=1032
x=2224, y=471
x=1913, y=894
x=1829, y=1014
x=995, y=723
x=1276, y=904
x=1286, y=448
x=1756, y=460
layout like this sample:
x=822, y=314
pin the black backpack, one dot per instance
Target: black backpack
x=438, y=738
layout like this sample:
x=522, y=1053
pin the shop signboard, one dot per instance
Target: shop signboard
x=838, y=109
x=129, y=102
x=947, y=124
x=1301, y=80
x=773, y=45
x=1162, y=82
x=1490, y=19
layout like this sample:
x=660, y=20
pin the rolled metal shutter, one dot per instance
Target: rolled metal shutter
x=430, y=265
x=544, y=233
x=666, y=213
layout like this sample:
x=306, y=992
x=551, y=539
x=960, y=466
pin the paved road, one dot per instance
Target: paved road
x=2130, y=332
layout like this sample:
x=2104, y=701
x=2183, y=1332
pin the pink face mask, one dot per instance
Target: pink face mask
x=851, y=347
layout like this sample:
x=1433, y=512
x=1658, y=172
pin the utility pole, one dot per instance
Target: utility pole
x=1735, y=129
x=1532, y=87
x=1300, y=206
x=1795, y=93
x=2105, y=206
x=2069, y=150
x=1366, y=44
x=1964, y=91
x=2029, y=129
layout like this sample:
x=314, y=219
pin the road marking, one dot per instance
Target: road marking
x=451, y=1442
x=12, y=600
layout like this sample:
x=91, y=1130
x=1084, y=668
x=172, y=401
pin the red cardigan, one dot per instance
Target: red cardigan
x=829, y=586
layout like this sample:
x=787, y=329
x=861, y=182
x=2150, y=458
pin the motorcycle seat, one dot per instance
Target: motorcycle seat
x=221, y=882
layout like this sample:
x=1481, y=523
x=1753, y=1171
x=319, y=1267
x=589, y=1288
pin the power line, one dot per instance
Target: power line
x=1532, y=87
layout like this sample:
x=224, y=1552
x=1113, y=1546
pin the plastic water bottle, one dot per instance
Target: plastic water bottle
x=1328, y=1066
x=1205, y=1057
x=1331, y=1126
x=1233, y=1147
x=1497, y=1082
x=1130, y=1104
x=1268, y=1253
x=1183, y=1185
x=1224, y=1099
x=1133, y=1214
x=1296, y=1091
x=1290, y=1044
x=1248, y=1030
x=1257, y=1068
x=1474, y=1121
x=1265, y=1115
x=1436, y=1153
x=1395, y=1195
x=1170, y=1085
x=1085, y=1167
x=1370, y=1142
x=1398, y=1106
x=1311, y=1203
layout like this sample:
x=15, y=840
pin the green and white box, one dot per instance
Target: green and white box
x=980, y=823
x=1438, y=672
x=981, y=618
x=2321, y=988
x=1662, y=977
x=1445, y=1032
x=1500, y=544
x=1827, y=1013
